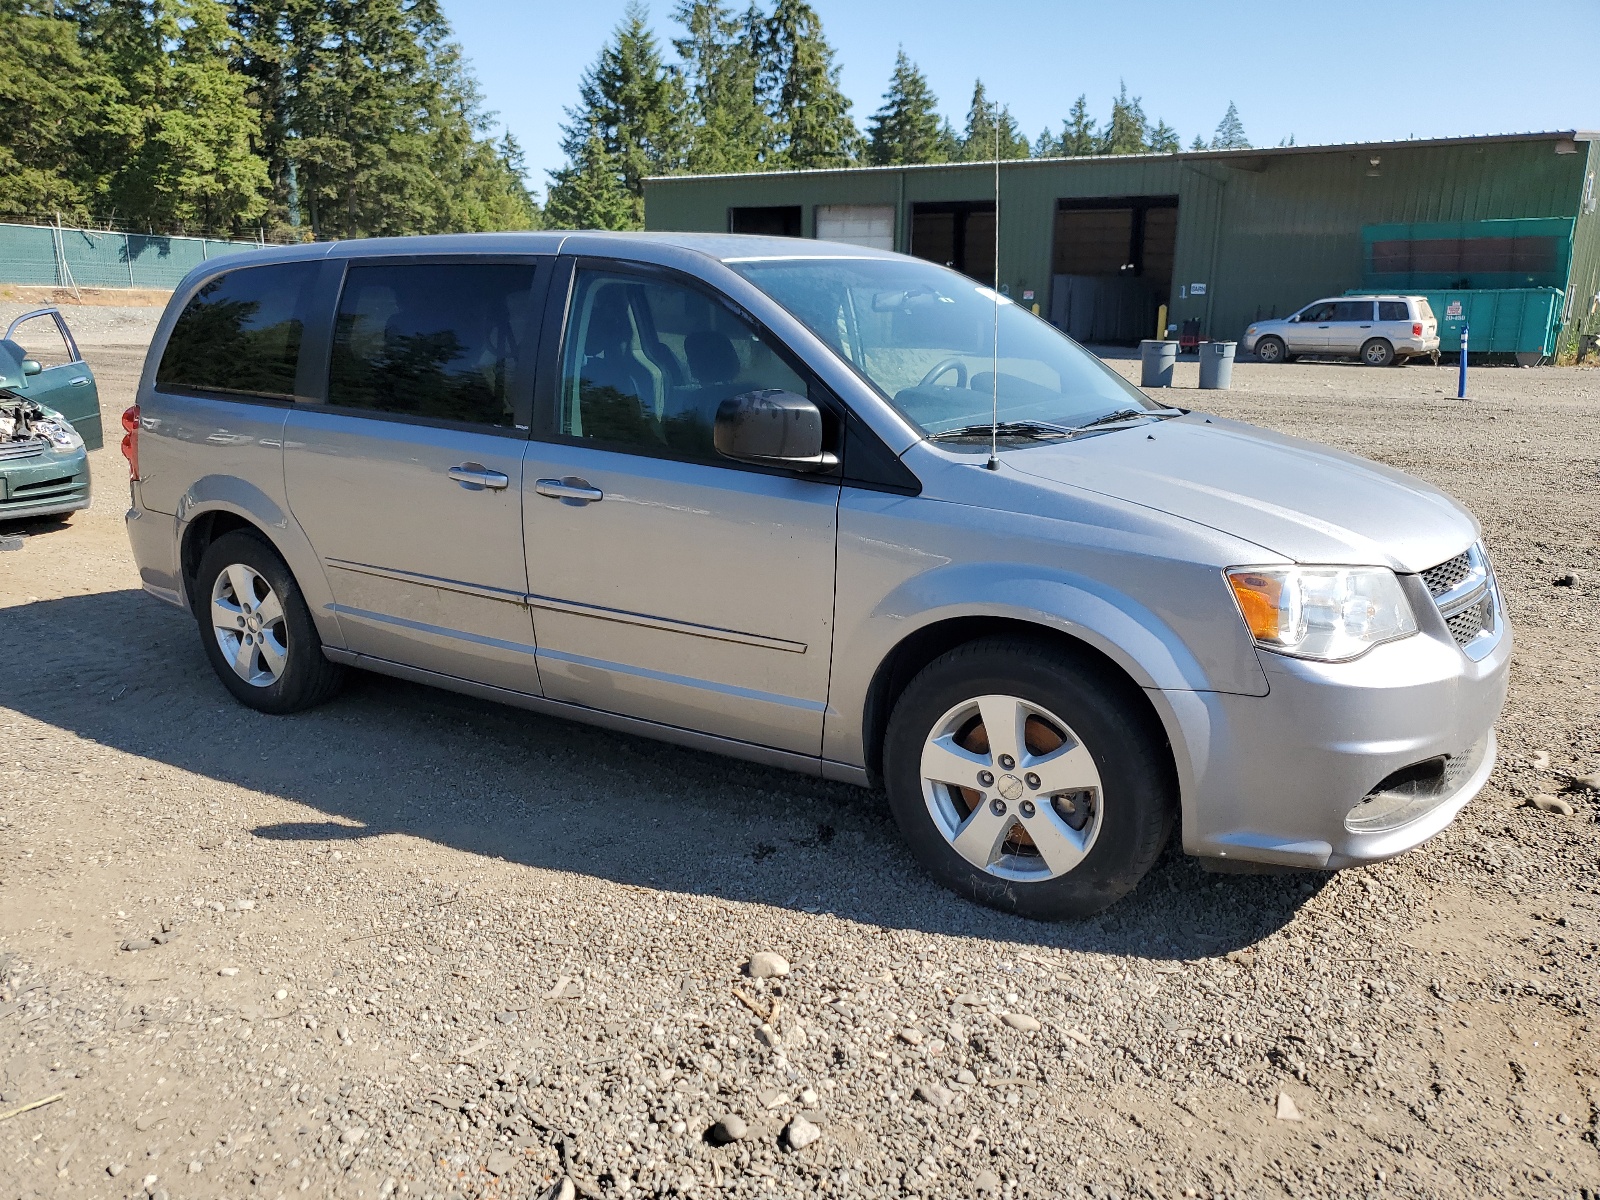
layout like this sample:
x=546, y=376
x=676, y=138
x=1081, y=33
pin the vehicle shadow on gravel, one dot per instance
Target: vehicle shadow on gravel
x=393, y=758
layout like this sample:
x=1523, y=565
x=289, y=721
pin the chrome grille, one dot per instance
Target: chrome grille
x=1446, y=575
x=27, y=449
x=1461, y=587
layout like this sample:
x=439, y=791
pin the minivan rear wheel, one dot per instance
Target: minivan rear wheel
x=1027, y=780
x=257, y=630
x=1377, y=352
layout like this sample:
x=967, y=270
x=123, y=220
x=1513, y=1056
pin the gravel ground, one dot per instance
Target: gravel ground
x=410, y=944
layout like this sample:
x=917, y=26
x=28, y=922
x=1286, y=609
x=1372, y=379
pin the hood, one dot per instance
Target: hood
x=1300, y=500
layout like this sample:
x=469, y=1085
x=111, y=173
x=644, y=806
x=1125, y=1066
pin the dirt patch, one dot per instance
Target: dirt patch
x=411, y=944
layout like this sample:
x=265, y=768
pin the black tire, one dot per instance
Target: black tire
x=1377, y=352
x=1109, y=716
x=307, y=677
x=1272, y=350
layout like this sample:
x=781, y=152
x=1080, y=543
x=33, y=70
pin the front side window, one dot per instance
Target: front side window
x=241, y=333
x=442, y=341
x=1318, y=312
x=925, y=338
x=1393, y=310
x=648, y=362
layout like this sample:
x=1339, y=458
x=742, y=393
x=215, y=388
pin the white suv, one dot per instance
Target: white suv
x=1377, y=329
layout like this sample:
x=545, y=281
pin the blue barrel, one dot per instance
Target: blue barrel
x=1216, y=365
x=1156, y=360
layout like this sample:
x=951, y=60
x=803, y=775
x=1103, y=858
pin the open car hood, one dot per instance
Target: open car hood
x=1300, y=500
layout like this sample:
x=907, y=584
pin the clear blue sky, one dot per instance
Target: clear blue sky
x=1344, y=71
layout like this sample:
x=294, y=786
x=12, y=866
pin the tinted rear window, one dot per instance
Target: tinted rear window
x=1393, y=310
x=452, y=342
x=241, y=333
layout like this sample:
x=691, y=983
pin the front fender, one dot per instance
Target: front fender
x=238, y=497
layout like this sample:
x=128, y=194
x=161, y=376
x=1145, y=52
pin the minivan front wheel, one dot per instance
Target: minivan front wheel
x=1271, y=350
x=1026, y=780
x=257, y=630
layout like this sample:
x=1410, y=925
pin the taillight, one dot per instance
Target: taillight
x=130, y=439
x=1416, y=329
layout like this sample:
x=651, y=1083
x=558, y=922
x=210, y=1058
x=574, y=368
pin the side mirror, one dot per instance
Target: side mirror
x=30, y=366
x=773, y=428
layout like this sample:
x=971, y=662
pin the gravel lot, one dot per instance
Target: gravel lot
x=410, y=944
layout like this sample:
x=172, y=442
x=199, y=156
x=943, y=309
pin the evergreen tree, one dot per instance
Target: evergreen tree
x=1164, y=139
x=1128, y=131
x=175, y=139
x=990, y=127
x=729, y=127
x=1230, y=131
x=589, y=193
x=1047, y=144
x=801, y=83
x=1199, y=143
x=1078, y=136
x=907, y=129
x=51, y=96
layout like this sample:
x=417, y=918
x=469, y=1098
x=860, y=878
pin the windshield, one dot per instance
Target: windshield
x=924, y=337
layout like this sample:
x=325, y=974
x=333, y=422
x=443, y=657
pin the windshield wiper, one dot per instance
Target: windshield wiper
x=1012, y=429
x=1126, y=414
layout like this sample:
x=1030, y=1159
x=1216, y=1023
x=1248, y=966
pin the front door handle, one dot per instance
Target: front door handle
x=78, y=380
x=570, y=489
x=475, y=477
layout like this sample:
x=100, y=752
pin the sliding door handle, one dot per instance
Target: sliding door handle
x=570, y=489
x=475, y=477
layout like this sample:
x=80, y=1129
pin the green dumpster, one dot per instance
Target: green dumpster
x=1520, y=321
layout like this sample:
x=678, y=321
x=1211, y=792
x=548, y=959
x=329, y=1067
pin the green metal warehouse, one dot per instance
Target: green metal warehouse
x=1221, y=237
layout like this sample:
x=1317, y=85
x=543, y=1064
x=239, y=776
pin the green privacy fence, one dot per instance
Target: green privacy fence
x=57, y=256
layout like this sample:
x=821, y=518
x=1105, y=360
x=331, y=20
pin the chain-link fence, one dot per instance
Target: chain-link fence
x=63, y=256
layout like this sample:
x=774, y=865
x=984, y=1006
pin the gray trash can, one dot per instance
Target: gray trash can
x=1156, y=360
x=1216, y=365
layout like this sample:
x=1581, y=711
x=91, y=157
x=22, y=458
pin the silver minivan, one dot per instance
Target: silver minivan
x=1378, y=330
x=826, y=508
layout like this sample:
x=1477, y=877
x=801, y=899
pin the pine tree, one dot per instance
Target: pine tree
x=990, y=127
x=1047, y=144
x=1128, y=130
x=1077, y=135
x=907, y=129
x=589, y=193
x=729, y=128
x=176, y=135
x=52, y=96
x=1164, y=139
x=634, y=104
x=1199, y=143
x=1230, y=131
x=801, y=83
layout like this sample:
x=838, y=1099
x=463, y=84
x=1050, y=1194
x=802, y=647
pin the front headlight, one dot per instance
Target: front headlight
x=1331, y=614
x=61, y=434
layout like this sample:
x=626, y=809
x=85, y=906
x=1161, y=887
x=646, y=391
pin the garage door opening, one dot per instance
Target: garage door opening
x=959, y=235
x=1112, y=267
x=778, y=220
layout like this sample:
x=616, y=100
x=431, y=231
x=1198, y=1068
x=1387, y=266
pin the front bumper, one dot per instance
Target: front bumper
x=44, y=485
x=1282, y=778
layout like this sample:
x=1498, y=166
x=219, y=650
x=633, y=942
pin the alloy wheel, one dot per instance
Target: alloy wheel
x=1012, y=789
x=247, y=619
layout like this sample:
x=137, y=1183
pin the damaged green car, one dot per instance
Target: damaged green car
x=49, y=418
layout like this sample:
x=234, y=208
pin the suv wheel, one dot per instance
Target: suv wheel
x=1023, y=781
x=257, y=630
x=1377, y=352
x=1271, y=350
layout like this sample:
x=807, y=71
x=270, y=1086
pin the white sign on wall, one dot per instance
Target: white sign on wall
x=1197, y=289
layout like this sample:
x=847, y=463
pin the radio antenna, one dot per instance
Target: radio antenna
x=994, y=401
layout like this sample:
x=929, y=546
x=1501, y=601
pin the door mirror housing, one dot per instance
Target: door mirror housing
x=773, y=428
x=30, y=366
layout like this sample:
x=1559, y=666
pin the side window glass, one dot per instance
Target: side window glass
x=451, y=342
x=1318, y=313
x=647, y=364
x=1353, y=310
x=1393, y=310
x=41, y=340
x=241, y=333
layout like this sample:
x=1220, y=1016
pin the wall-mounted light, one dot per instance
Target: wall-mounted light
x=1566, y=146
x=1372, y=166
